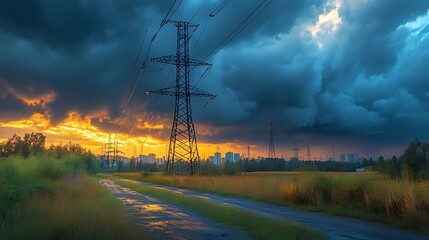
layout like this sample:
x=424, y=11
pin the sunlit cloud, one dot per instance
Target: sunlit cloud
x=38, y=100
x=35, y=100
x=36, y=121
x=418, y=30
x=327, y=22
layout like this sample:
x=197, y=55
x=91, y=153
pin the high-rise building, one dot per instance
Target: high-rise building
x=351, y=157
x=217, y=159
x=151, y=158
x=143, y=159
x=211, y=159
x=229, y=157
x=237, y=157
x=342, y=157
x=159, y=161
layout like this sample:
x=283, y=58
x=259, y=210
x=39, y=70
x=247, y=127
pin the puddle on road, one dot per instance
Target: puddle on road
x=167, y=221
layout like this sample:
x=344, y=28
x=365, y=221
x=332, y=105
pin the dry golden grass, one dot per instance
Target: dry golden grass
x=76, y=208
x=365, y=195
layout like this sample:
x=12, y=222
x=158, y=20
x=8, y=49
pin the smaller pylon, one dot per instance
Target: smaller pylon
x=271, y=150
x=296, y=150
x=308, y=151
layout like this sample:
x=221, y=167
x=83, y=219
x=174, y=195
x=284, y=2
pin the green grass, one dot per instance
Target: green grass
x=367, y=196
x=254, y=224
x=48, y=198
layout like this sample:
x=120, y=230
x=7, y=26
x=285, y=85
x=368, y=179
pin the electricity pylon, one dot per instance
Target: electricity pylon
x=308, y=152
x=271, y=150
x=183, y=151
x=296, y=150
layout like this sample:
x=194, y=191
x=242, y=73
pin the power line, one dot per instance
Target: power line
x=132, y=70
x=199, y=9
x=202, y=32
x=163, y=113
x=148, y=53
x=161, y=25
x=233, y=34
x=228, y=39
x=202, y=75
x=175, y=10
x=195, y=14
x=168, y=13
x=219, y=8
x=212, y=15
x=130, y=97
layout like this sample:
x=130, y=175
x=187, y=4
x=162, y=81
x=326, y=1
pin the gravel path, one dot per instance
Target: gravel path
x=167, y=221
x=334, y=227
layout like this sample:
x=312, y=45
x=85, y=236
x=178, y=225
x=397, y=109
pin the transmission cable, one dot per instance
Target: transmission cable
x=219, y=8
x=168, y=13
x=228, y=39
x=175, y=10
x=132, y=70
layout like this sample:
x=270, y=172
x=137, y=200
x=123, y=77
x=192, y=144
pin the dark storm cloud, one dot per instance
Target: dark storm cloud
x=366, y=80
x=13, y=107
x=78, y=49
x=364, y=76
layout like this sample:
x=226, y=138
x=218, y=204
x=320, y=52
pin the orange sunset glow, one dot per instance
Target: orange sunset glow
x=79, y=130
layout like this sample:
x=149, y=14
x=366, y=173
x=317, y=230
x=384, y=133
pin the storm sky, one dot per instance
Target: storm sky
x=349, y=73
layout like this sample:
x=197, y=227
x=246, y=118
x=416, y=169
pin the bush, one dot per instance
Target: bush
x=230, y=169
x=21, y=177
x=324, y=187
x=207, y=169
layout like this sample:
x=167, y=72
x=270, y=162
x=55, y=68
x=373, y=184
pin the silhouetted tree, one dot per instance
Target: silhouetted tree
x=416, y=159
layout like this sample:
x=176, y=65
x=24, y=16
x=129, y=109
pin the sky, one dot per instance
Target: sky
x=345, y=73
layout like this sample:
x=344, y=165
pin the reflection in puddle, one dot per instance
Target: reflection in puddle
x=153, y=207
x=204, y=197
x=166, y=221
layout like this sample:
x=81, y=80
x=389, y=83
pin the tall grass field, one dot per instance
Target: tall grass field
x=364, y=195
x=48, y=198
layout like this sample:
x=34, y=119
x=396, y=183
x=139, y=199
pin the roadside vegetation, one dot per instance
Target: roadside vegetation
x=257, y=226
x=49, y=194
x=397, y=194
x=364, y=195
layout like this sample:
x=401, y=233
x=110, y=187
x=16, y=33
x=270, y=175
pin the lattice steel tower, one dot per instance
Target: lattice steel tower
x=296, y=150
x=183, y=151
x=271, y=150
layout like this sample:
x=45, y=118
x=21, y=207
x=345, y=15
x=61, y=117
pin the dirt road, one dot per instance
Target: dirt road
x=167, y=221
x=334, y=227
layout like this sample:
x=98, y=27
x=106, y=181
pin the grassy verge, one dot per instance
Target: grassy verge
x=257, y=226
x=368, y=196
x=43, y=198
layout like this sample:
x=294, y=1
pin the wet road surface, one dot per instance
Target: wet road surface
x=167, y=221
x=335, y=227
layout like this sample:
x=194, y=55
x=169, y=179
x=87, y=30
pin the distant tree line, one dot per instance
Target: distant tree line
x=413, y=164
x=279, y=164
x=30, y=144
x=34, y=144
x=146, y=167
